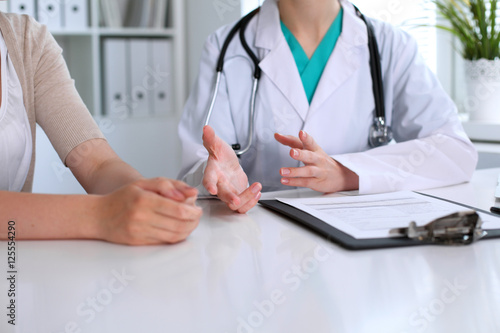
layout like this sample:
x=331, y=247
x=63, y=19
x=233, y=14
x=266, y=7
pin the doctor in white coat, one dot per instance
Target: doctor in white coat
x=323, y=143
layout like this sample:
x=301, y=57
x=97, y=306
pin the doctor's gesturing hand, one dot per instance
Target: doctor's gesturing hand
x=224, y=176
x=320, y=171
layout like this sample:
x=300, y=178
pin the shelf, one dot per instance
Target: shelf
x=83, y=53
x=484, y=132
x=88, y=32
x=492, y=148
x=118, y=32
x=136, y=32
x=134, y=120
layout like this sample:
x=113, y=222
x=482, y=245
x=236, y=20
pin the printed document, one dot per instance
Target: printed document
x=373, y=216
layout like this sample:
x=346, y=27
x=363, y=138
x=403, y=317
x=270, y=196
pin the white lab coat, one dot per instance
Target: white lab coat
x=431, y=148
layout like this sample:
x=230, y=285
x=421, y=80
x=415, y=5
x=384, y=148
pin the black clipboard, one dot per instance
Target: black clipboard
x=346, y=241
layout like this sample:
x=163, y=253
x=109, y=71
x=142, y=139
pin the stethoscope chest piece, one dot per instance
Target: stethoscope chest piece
x=380, y=133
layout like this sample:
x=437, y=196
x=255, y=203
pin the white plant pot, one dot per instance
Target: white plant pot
x=483, y=90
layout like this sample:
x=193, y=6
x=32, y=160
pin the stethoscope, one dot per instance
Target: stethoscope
x=380, y=132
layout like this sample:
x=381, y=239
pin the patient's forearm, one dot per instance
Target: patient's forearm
x=43, y=216
x=110, y=176
x=98, y=168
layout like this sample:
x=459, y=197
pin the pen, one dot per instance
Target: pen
x=495, y=210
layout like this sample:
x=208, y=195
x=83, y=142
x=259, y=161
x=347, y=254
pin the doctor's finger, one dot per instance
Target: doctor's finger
x=289, y=140
x=308, y=141
x=299, y=182
x=210, y=180
x=209, y=139
x=248, y=198
x=305, y=156
x=303, y=172
x=228, y=194
x=250, y=204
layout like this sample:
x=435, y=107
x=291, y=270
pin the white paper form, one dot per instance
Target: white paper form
x=372, y=216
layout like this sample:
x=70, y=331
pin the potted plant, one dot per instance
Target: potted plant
x=474, y=23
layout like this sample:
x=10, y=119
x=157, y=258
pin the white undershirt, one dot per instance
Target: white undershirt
x=15, y=133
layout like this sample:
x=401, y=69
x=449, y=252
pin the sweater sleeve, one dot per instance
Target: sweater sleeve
x=58, y=107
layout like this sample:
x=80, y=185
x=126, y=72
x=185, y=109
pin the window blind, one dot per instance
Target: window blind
x=248, y=5
x=416, y=17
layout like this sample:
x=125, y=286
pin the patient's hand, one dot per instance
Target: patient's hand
x=148, y=211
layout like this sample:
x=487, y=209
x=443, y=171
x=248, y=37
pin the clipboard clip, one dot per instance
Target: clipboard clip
x=460, y=228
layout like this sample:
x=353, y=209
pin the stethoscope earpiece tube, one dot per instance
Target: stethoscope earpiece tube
x=241, y=26
x=214, y=98
x=257, y=72
x=380, y=132
x=376, y=71
x=225, y=46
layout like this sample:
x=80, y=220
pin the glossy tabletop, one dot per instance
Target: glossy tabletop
x=258, y=272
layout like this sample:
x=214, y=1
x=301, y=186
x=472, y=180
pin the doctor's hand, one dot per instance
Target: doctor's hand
x=224, y=176
x=146, y=212
x=320, y=171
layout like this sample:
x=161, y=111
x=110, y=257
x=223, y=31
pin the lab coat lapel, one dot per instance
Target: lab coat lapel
x=347, y=57
x=278, y=64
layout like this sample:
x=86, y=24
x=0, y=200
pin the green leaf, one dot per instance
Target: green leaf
x=474, y=23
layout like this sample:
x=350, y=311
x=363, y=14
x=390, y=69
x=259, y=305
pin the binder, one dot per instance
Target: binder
x=347, y=241
x=116, y=101
x=104, y=18
x=160, y=15
x=50, y=13
x=162, y=77
x=22, y=7
x=141, y=91
x=141, y=14
x=76, y=14
x=111, y=14
x=135, y=14
x=148, y=13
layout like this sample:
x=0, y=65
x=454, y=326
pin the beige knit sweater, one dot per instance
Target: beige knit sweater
x=49, y=93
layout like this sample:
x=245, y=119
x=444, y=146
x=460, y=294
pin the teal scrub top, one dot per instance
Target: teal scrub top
x=310, y=70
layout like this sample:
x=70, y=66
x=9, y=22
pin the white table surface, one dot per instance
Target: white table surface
x=259, y=272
